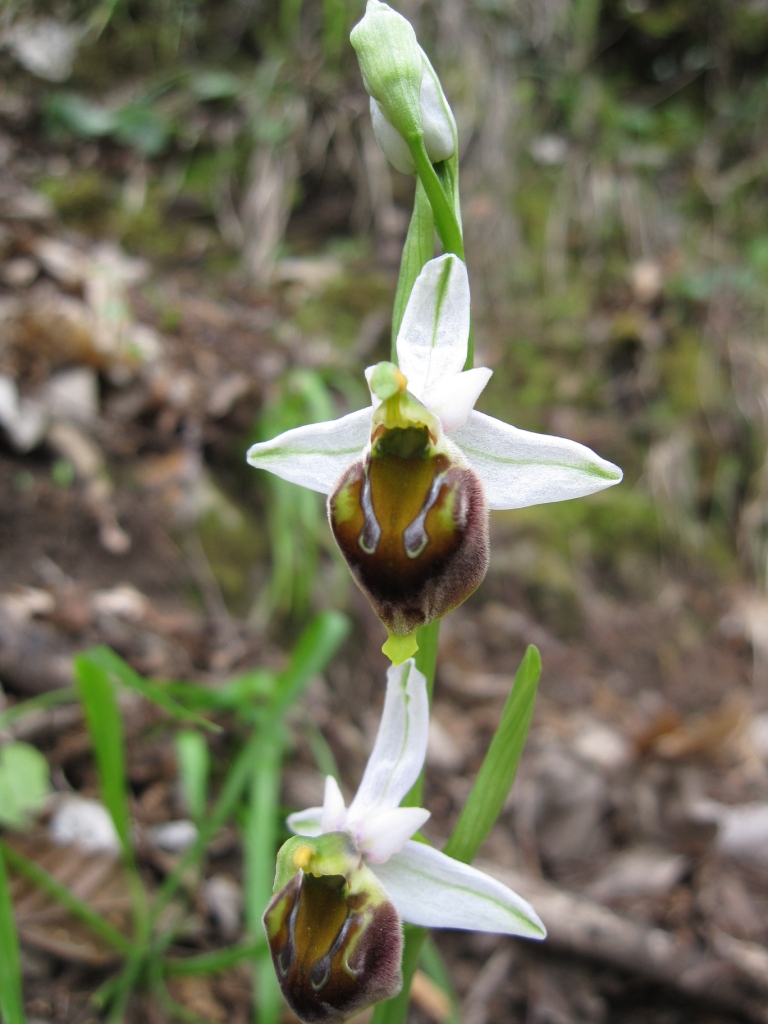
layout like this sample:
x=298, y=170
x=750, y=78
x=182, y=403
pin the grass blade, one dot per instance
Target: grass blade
x=260, y=844
x=76, y=907
x=497, y=772
x=316, y=646
x=11, y=999
x=113, y=664
x=105, y=725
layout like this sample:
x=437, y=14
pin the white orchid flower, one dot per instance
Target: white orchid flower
x=351, y=875
x=425, y=886
x=410, y=477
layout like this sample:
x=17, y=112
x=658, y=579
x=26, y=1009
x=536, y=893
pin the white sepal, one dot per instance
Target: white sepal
x=315, y=456
x=401, y=743
x=432, y=340
x=519, y=468
x=429, y=889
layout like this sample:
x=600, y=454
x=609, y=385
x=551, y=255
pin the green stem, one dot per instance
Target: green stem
x=448, y=228
x=395, y=1011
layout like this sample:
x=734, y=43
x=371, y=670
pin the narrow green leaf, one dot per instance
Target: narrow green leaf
x=315, y=648
x=11, y=1000
x=260, y=847
x=419, y=248
x=113, y=664
x=105, y=725
x=194, y=763
x=499, y=766
x=77, y=907
x=217, y=960
x=9, y=717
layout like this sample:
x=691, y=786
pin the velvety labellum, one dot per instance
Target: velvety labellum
x=334, y=952
x=413, y=528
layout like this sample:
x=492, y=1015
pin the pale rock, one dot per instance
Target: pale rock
x=85, y=823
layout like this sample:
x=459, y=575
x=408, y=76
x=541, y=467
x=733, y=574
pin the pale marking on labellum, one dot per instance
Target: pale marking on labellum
x=321, y=969
x=370, y=535
x=288, y=952
x=415, y=537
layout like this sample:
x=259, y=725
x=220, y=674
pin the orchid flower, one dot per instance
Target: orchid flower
x=411, y=477
x=378, y=875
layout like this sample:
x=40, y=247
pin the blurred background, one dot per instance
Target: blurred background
x=199, y=247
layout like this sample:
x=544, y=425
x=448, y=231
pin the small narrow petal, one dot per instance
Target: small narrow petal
x=401, y=743
x=436, y=116
x=519, y=468
x=432, y=341
x=393, y=145
x=452, y=400
x=386, y=831
x=315, y=456
x=435, y=891
x=334, y=809
x=306, y=823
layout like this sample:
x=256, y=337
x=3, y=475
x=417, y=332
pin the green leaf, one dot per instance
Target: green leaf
x=11, y=1001
x=498, y=769
x=315, y=648
x=113, y=664
x=76, y=906
x=419, y=248
x=24, y=783
x=66, y=695
x=194, y=768
x=105, y=725
x=80, y=116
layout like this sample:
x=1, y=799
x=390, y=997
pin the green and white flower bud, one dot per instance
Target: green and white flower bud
x=335, y=938
x=407, y=100
x=410, y=517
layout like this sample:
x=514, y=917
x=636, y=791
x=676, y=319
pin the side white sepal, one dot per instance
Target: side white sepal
x=315, y=456
x=429, y=889
x=519, y=468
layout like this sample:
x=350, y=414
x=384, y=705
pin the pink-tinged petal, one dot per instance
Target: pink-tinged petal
x=306, y=823
x=386, y=831
x=432, y=340
x=315, y=456
x=435, y=891
x=334, y=809
x=519, y=468
x=401, y=743
x=453, y=399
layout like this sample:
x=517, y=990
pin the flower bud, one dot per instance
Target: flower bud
x=410, y=517
x=335, y=938
x=407, y=100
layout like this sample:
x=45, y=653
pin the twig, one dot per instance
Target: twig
x=732, y=974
